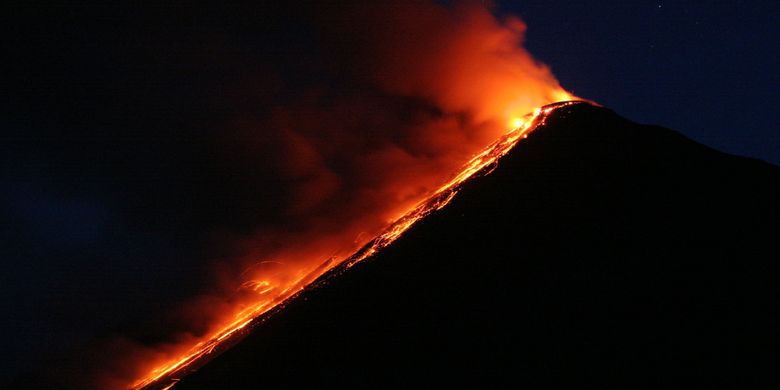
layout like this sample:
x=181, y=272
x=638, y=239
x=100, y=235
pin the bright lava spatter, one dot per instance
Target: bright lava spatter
x=167, y=375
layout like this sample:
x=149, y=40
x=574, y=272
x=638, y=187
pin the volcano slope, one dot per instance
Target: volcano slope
x=599, y=252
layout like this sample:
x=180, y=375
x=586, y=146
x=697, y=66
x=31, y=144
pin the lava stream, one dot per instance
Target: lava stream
x=167, y=375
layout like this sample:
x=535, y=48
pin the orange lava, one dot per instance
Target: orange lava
x=272, y=295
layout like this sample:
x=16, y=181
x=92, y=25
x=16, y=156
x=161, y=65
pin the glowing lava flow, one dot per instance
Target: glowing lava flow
x=167, y=375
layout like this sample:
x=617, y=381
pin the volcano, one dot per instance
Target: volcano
x=598, y=252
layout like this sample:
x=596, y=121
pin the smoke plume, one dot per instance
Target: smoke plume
x=312, y=138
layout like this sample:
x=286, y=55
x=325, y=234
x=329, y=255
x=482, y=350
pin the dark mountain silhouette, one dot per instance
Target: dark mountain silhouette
x=600, y=252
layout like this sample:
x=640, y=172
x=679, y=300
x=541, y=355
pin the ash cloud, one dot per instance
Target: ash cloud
x=257, y=141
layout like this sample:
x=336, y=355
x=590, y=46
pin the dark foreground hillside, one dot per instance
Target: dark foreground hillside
x=599, y=252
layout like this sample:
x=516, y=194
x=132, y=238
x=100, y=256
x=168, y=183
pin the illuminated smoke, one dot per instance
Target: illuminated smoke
x=413, y=91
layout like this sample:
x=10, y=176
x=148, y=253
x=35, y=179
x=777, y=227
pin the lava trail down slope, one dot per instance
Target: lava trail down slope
x=167, y=375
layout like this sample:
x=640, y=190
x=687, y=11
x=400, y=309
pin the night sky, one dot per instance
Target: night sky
x=708, y=69
x=116, y=193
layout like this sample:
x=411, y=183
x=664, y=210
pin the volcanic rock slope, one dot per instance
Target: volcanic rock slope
x=600, y=252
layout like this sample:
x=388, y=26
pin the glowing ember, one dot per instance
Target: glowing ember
x=273, y=295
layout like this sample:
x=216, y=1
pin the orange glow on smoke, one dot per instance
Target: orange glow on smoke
x=462, y=60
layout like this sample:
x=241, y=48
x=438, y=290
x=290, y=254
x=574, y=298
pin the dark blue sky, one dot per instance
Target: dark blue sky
x=708, y=69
